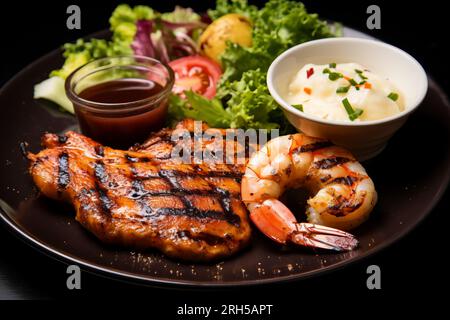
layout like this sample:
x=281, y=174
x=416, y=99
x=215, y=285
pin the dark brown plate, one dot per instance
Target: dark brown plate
x=410, y=175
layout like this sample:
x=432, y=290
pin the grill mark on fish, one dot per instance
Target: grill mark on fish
x=62, y=139
x=225, y=203
x=83, y=199
x=192, y=213
x=63, y=170
x=175, y=187
x=328, y=163
x=100, y=172
x=215, y=174
x=313, y=146
x=131, y=159
x=105, y=202
x=190, y=210
x=100, y=151
x=101, y=178
x=139, y=193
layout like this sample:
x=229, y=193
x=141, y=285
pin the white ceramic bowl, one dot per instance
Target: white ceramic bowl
x=366, y=138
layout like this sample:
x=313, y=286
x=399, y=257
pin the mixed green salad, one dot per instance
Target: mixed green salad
x=239, y=58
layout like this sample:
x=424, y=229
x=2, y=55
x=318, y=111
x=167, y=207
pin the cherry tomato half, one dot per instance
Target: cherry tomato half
x=196, y=73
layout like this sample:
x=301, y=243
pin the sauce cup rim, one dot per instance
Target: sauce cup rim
x=118, y=107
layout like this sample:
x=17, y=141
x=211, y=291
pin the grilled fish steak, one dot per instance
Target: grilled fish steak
x=135, y=199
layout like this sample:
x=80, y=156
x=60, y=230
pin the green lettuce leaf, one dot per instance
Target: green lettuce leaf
x=224, y=7
x=279, y=25
x=180, y=15
x=199, y=108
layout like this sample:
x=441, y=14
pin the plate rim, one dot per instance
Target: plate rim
x=126, y=276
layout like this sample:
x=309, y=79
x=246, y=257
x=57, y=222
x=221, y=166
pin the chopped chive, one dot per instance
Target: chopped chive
x=342, y=89
x=334, y=76
x=332, y=65
x=360, y=73
x=362, y=82
x=352, y=113
x=298, y=106
x=393, y=96
x=326, y=70
x=353, y=82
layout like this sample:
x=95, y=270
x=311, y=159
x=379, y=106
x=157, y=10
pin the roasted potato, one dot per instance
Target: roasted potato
x=231, y=27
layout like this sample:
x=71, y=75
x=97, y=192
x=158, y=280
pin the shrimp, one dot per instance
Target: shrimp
x=343, y=193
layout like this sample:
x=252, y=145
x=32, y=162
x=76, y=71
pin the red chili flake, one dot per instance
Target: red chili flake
x=309, y=72
x=307, y=90
x=367, y=85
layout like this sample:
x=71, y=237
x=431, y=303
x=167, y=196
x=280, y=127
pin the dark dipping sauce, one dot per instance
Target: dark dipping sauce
x=116, y=125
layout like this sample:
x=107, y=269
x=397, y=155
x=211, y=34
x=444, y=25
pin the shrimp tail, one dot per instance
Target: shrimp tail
x=317, y=236
x=277, y=222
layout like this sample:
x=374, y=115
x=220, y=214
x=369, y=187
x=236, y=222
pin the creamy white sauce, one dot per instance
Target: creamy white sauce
x=317, y=95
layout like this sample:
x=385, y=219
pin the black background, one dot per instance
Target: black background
x=413, y=268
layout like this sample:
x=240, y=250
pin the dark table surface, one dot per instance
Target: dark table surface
x=411, y=266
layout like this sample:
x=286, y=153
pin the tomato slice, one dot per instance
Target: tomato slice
x=196, y=73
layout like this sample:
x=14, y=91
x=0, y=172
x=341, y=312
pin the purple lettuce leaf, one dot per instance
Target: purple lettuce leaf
x=142, y=44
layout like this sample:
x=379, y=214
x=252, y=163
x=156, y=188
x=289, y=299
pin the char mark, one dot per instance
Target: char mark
x=131, y=159
x=62, y=139
x=100, y=151
x=191, y=211
x=209, y=174
x=105, y=202
x=348, y=180
x=330, y=162
x=63, y=170
x=101, y=179
x=100, y=172
x=138, y=191
x=343, y=209
x=314, y=146
x=225, y=202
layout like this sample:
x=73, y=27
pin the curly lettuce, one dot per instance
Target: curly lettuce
x=181, y=15
x=224, y=7
x=279, y=25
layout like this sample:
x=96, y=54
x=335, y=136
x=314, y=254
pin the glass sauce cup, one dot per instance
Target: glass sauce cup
x=118, y=101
